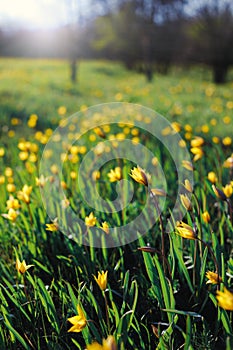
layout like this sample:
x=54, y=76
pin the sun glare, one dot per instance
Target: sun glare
x=30, y=13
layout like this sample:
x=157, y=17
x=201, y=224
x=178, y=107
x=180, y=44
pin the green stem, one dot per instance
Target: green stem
x=107, y=312
x=162, y=229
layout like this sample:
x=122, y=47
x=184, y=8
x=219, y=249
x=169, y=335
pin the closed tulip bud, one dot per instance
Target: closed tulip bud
x=212, y=177
x=206, y=217
x=197, y=141
x=188, y=186
x=219, y=193
x=186, y=202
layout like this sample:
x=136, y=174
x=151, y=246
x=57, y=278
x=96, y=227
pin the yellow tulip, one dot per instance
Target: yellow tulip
x=108, y=344
x=228, y=162
x=228, y=190
x=24, y=195
x=105, y=227
x=187, y=165
x=115, y=174
x=197, y=141
x=213, y=277
x=11, y=188
x=186, y=202
x=90, y=220
x=188, y=186
x=212, y=177
x=78, y=322
x=225, y=299
x=22, y=267
x=12, y=203
x=198, y=153
x=206, y=217
x=185, y=230
x=101, y=280
x=139, y=175
x=53, y=226
x=11, y=215
x=221, y=195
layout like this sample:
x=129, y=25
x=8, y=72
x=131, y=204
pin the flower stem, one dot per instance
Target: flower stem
x=162, y=229
x=107, y=313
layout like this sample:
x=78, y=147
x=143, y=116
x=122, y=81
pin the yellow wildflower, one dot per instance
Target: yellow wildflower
x=61, y=110
x=115, y=174
x=228, y=162
x=12, y=203
x=90, y=220
x=185, y=230
x=225, y=299
x=227, y=141
x=221, y=195
x=79, y=321
x=212, y=177
x=198, y=153
x=158, y=192
x=73, y=175
x=24, y=195
x=21, y=267
x=197, y=141
x=188, y=186
x=108, y=344
x=105, y=227
x=228, y=190
x=101, y=280
x=8, y=172
x=53, y=226
x=187, y=165
x=11, y=215
x=100, y=132
x=2, y=179
x=41, y=181
x=95, y=175
x=23, y=155
x=2, y=151
x=213, y=277
x=206, y=217
x=10, y=188
x=186, y=202
x=139, y=175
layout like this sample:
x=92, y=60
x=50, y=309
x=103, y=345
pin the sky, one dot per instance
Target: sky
x=34, y=13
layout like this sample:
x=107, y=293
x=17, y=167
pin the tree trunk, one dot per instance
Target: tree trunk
x=220, y=74
x=73, y=70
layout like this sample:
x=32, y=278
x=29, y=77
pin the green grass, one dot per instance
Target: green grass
x=41, y=86
x=151, y=302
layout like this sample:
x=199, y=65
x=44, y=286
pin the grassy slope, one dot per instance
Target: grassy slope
x=41, y=86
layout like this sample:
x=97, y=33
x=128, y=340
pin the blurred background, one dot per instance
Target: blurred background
x=147, y=36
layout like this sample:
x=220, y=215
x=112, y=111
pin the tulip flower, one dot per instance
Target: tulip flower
x=11, y=215
x=105, y=227
x=206, y=217
x=90, y=220
x=225, y=299
x=108, y=344
x=186, y=202
x=185, y=230
x=115, y=174
x=220, y=194
x=213, y=277
x=101, y=280
x=78, y=322
x=24, y=195
x=22, y=267
x=139, y=175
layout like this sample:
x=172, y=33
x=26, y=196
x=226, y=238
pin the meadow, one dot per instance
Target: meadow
x=166, y=289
